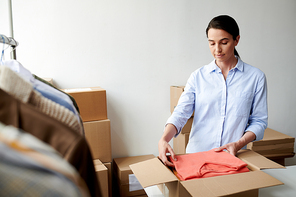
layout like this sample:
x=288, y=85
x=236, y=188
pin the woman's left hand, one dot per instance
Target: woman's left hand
x=231, y=148
x=234, y=147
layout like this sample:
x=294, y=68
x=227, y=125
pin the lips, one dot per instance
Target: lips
x=219, y=55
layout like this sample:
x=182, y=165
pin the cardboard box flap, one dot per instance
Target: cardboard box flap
x=271, y=134
x=100, y=167
x=273, y=137
x=286, y=155
x=229, y=184
x=97, y=162
x=152, y=172
x=256, y=161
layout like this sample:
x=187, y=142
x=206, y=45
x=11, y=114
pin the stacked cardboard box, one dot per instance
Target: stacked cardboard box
x=92, y=102
x=126, y=182
x=103, y=177
x=98, y=135
x=180, y=142
x=175, y=93
x=92, y=105
x=274, y=145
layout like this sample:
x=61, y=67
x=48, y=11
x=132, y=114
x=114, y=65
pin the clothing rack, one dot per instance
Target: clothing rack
x=7, y=40
x=10, y=40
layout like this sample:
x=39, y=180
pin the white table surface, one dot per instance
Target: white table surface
x=286, y=175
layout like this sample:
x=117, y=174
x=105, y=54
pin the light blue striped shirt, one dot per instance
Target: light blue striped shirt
x=224, y=109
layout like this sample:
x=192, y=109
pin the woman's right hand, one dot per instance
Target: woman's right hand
x=164, y=147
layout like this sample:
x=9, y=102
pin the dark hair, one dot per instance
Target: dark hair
x=227, y=24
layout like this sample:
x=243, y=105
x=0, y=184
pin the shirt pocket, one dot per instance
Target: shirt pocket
x=242, y=103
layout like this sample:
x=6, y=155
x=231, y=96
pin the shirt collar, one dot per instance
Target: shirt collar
x=212, y=67
x=239, y=65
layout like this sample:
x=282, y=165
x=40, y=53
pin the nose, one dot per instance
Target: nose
x=218, y=48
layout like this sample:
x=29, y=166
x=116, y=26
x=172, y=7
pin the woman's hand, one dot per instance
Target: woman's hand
x=234, y=147
x=163, y=148
x=231, y=148
x=163, y=144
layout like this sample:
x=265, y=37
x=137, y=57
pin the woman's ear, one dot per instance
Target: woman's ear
x=237, y=40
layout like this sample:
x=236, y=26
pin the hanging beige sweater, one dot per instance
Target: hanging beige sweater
x=16, y=86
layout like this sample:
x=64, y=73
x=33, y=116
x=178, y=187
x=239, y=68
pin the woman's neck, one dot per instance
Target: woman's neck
x=226, y=66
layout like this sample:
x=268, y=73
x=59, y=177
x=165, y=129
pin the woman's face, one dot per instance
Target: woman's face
x=221, y=44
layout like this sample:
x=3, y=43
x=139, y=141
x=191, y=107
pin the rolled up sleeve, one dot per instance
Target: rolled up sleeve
x=258, y=119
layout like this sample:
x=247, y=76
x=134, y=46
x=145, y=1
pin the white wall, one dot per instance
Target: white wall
x=136, y=49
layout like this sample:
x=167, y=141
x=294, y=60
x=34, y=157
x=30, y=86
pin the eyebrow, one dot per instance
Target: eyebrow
x=219, y=40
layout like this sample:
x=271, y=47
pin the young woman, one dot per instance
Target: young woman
x=228, y=97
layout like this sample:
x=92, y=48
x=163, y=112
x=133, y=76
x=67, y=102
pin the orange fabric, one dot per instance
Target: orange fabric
x=207, y=164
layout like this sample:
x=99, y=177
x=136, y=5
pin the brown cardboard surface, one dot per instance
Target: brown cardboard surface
x=281, y=155
x=109, y=168
x=97, y=162
x=153, y=172
x=275, y=151
x=156, y=172
x=176, y=189
x=91, y=101
x=98, y=136
x=125, y=192
x=180, y=143
x=122, y=171
x=175, y=93
x=271, y=134
x=249, y=193
x=187, y=126
x=272, y=137
x=229, y=184
x=172, y=189
x=256, y=161
x=273, y=147
x=102, y=176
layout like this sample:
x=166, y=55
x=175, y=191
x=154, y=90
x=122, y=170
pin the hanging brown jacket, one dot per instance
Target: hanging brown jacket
x=70, y=144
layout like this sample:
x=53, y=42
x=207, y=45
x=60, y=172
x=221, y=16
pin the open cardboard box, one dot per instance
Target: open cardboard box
x=154, y=172
x=126, y=182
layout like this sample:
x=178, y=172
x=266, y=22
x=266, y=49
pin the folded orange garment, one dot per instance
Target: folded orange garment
x=207, y=164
